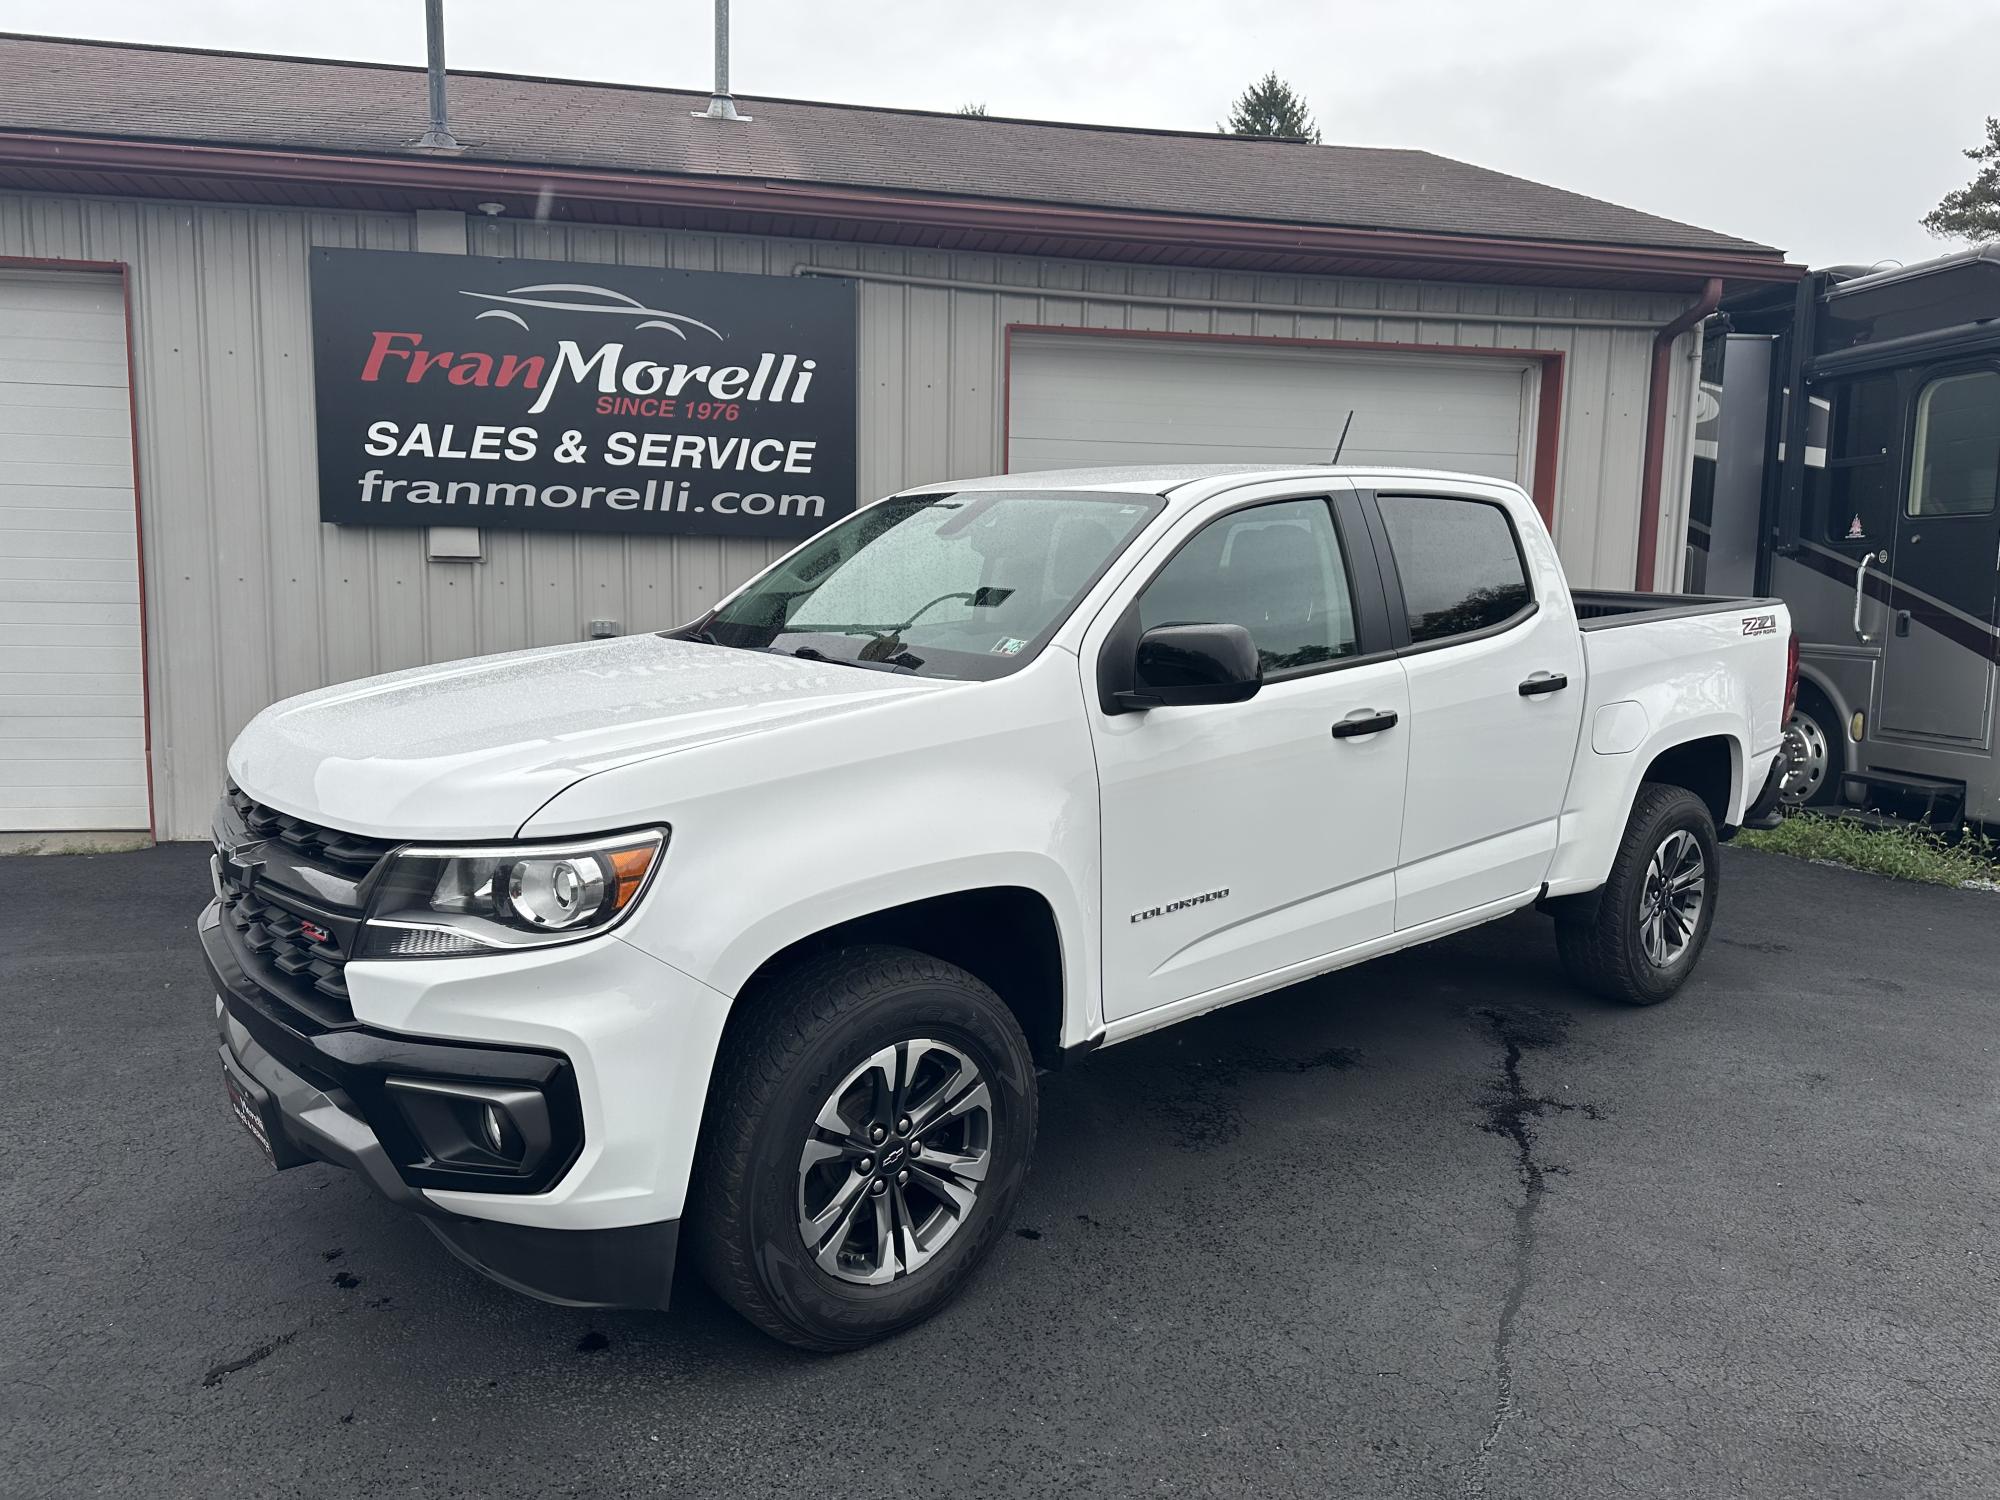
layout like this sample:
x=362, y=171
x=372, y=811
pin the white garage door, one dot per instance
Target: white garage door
x=72, y=706
x=1096, y=400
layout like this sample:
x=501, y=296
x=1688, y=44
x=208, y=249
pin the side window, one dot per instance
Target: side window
x=1955, y=461
x=1459, y=563
x=1276, y=570
x=1852, y=493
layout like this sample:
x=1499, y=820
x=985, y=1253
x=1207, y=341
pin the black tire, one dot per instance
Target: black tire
x=1817, y=743
x=804, y=1034
x=1604, y=944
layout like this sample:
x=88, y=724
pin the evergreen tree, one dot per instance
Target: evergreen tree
x=1270, y=106
x=1973, y=212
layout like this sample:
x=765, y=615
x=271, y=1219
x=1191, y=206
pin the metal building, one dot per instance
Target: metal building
x=1025, y=296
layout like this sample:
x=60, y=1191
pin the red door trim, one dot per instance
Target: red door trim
x=1548, y=402
x=123, y=272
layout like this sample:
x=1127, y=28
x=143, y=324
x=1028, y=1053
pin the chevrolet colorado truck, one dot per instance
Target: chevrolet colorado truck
x=753, y=934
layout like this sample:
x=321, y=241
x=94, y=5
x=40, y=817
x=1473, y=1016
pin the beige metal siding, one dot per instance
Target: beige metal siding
x=251, y=599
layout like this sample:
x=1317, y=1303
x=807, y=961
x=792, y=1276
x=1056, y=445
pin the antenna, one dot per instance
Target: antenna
x=1337, y=447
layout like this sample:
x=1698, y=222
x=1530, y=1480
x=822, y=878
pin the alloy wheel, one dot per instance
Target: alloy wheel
x=893, y=1164
x=1671, y=899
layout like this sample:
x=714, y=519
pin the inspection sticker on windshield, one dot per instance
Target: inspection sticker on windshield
x=1009, y=646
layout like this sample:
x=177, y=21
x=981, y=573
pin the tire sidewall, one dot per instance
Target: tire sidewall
x=1684, y=812
x=839, y=1312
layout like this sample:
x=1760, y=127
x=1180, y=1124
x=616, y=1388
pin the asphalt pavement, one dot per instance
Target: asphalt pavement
x=1437, y=1226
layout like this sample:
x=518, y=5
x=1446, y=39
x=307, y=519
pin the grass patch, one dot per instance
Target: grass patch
x=1904, y=853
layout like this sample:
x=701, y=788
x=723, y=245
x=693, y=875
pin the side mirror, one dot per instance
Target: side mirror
x=1177, y=666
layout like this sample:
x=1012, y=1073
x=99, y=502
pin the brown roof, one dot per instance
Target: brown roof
x=218, y=99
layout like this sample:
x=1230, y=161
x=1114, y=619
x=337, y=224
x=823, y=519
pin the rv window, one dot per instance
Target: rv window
x=1955, y=468
x=1851, y=498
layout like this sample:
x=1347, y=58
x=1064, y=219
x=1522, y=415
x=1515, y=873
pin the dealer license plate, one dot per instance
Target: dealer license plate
x=244, y=1107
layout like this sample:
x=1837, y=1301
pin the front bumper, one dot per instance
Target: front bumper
x=329, y=1095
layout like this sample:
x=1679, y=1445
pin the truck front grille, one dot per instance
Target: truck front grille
x=345, y=851
x=291, y=897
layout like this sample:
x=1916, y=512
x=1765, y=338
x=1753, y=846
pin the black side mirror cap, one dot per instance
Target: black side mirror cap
x=1178, y=666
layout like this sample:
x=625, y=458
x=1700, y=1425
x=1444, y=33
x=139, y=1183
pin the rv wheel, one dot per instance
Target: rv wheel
x=1814, y=741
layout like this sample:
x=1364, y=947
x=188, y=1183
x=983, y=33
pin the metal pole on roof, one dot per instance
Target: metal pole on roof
x=720, y=105
x=438, y=137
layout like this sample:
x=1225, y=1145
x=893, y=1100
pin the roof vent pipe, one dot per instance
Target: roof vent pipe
x=438, y=137
x=720, y=105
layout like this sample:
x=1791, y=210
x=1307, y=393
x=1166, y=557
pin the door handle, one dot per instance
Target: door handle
x=1364, y=723
x=1860, y=580
x=1544, y=682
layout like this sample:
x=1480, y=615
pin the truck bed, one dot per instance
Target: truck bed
x=1607, y=609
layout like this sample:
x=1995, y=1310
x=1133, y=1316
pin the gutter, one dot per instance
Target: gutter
x=1656, y=429
x=1030, y=227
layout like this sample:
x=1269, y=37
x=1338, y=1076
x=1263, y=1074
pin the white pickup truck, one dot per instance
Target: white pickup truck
x=762, y=926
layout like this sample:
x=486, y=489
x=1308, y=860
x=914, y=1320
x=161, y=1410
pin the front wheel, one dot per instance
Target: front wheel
x=1643, y=936
x=867, y=1135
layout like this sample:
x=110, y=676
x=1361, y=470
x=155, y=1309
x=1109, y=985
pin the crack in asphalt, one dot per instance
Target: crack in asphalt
x=1511, y=1113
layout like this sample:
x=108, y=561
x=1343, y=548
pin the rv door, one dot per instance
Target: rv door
x=1939, y=647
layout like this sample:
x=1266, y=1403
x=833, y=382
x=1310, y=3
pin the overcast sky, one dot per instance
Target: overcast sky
x=1825, y=127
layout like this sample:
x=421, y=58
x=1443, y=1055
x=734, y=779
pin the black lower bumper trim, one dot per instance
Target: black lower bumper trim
x=301, y=1119
x=357, y=1065
x=631, y=1266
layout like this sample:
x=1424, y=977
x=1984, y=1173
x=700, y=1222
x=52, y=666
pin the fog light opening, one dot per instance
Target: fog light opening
x=475, y=1127
x=498, y=1133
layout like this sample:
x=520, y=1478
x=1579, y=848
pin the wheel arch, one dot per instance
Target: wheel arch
x=1709, y=765
x=1007, y=936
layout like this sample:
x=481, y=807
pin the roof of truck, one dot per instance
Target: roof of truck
x=1164, y=479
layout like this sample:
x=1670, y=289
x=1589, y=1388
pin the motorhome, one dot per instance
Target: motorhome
x=1870, y=508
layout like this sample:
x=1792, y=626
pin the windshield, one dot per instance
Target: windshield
x=962, y=585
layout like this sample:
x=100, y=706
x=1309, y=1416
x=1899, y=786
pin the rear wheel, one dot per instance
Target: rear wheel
x=868, y=1134
x=1641, y=939
x=1815, y=749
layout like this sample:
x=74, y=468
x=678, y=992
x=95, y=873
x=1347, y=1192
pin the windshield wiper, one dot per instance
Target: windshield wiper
x=905, y=663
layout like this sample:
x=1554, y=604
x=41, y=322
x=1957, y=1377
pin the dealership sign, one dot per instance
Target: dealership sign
x=466, y=391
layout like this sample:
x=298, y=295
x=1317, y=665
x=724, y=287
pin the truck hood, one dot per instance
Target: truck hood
x=471, y=749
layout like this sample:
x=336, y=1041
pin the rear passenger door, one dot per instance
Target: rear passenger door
x=1494, y=663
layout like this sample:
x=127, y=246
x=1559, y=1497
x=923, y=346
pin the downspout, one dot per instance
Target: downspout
x=1656, y=429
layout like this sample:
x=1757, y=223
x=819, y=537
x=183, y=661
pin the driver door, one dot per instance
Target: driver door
x=1248, y=838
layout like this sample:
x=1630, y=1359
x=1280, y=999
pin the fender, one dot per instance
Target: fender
x=1588, y=838
x=808, y=915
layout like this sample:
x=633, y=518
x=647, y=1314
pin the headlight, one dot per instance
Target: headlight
x=436, y=902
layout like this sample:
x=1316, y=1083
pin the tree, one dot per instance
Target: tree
x=974, y=111
x=1270, y=106
x=1973, y=212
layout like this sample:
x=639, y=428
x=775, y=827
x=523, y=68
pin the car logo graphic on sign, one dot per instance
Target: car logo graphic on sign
x=577, y=297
